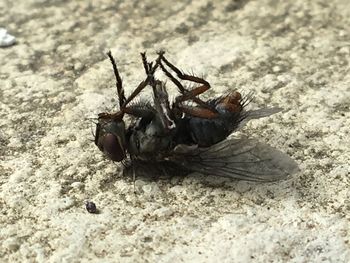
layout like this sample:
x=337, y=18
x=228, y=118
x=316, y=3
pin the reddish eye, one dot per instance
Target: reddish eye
x=112, y=147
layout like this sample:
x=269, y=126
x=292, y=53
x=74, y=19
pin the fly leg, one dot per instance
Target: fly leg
x=198, y=112
x=140, y=87
x=185, y=94
x=232, y=102
x=205, y=110
x=147, y=66
x=134, y=178
x=149, y=69
x=123, y=101
x=120, y=90
x=160, y=95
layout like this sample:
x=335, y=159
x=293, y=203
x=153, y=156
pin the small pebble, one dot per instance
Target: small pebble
x=78, y=66
x=6, y=39
x=77, y=185
x=12, y=244
x=151, y=189
x=163, y=212
x=276, y=69
x=91, y=207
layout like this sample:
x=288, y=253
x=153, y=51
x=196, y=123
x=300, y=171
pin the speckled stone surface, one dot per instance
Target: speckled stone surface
x=291, y=54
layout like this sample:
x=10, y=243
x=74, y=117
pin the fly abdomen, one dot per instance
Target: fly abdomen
x=206, y=132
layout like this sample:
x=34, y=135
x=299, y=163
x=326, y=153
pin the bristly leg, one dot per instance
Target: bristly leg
x=123, y=101
x=151, y=69
x=120, y=90
x=144, y=62
x=182, y=75
x=147, y=65
x=198, y=112
x=185, y=94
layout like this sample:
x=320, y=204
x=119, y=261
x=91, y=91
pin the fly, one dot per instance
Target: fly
x=189, y=134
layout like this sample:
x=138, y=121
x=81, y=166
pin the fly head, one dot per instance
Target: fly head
x=110, y=138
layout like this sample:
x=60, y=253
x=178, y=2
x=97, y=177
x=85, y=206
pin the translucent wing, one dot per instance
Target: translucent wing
x=257, y=114
x=243, y=159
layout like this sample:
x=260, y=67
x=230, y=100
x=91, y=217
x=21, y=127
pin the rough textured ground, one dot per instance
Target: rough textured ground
x=293, y=54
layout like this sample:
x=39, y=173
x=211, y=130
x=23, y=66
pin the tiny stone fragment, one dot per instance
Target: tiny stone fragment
x=6, y=39
x=91, y=207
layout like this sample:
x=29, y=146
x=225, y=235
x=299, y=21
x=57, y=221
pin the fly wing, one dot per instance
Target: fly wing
x=257, y=114
x=243, y=159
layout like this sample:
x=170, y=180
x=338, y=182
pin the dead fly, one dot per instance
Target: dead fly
x=189, y=134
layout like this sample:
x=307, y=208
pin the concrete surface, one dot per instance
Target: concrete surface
x=293, y=54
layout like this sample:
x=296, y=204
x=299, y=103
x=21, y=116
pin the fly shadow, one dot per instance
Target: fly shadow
x=233, y=159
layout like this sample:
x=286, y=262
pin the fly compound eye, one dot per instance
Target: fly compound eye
x=112, y=147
